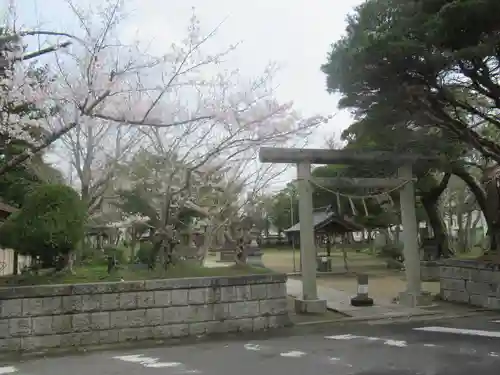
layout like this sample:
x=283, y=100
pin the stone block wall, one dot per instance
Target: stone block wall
x=53, y=316
x=429, y=270
x=471, y=282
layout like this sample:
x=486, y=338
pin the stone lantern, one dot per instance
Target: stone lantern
x=254, y=254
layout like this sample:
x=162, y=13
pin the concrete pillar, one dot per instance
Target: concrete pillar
x=410, y=240
x=309, y=301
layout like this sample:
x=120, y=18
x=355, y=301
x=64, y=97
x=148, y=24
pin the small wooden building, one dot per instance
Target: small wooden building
x=8, y=257
x=327, y=226
x=5, y=211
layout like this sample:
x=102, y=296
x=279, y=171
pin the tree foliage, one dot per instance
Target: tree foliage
x=432, y=62
x=284, y=210
x=21, y=110
x=422, y=76
x=50, y=222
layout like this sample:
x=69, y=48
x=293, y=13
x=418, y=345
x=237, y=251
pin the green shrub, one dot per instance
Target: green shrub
x=50, y=223
x=145, y=252
x=92, y=256
x=118, y=252
x=393, y=254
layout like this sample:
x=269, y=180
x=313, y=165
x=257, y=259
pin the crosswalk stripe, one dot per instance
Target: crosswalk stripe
x=293, y=353
x=460, y=331
x=390, y=342
x=7, y=370
x=149, y=362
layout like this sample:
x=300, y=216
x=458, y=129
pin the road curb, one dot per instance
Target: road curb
x=393, y=319
x=360, y=319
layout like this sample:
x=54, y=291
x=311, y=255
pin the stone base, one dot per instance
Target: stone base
x=311, y=306
x=226, y=256
x=429, y=270
x=323, y=264
x=408, y=299
x=255, y=260
x=360, y=301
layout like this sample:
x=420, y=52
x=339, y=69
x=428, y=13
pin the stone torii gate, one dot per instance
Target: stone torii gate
x=303, y=158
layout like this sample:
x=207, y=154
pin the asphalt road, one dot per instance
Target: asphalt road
x=355, y=349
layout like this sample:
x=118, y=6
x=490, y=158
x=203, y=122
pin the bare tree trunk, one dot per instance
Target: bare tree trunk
x=203, y=250
x=473, y=231
x=438, y=227
x=69, y=262
x=430, y=202
x=385, y=233
x=486, y=197
x=344, y=252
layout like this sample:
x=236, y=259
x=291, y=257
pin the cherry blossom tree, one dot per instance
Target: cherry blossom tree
x=234, y=210
x=201, y=124
x=100, y=79
x=25, y=86
x=95, y=149
x=221, y=150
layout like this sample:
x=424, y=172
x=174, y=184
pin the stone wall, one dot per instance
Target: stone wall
x=51, y=316
x=472, y=282
x=429, y=270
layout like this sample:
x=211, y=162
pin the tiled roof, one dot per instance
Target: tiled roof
x=318, y=218
x=324, y=216
x=4, y=207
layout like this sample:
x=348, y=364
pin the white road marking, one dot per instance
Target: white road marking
x=460, y=331
x=431, y=345
x=150, y=362
x=337, y=361
x=162, y=364
x=138, y=358
x=293, y=353
x=342, y=337
x=7, y=370
x=253, y=347
x=493, y=354
x=495, y=321
x=398, y=343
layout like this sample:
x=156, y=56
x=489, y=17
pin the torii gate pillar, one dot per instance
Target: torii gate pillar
x=413, y=294
x=309, y=303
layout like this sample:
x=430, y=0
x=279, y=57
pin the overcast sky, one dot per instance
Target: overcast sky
x=296, y=34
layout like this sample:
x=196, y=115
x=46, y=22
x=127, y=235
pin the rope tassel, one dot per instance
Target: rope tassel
x=391, y=202
x=365, y=207
x=353, y=208
x=383, y=199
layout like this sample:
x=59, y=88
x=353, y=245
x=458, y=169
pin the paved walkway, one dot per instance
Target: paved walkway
x=339, y=301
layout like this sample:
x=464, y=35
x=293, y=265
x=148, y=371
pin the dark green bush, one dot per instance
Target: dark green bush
x=120, y=253
x=50, y=223
x=93, y=256
x=145, y=252
x=393, y=254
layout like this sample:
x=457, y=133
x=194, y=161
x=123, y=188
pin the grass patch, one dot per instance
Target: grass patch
x=97, y=273
x=475, y=252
